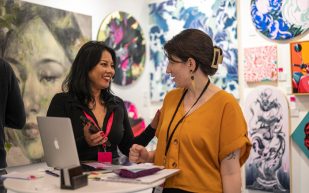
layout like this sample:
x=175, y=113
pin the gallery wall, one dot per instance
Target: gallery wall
x=248, y=37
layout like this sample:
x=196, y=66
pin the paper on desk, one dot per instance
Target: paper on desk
x=162, y=174
x=24, y=175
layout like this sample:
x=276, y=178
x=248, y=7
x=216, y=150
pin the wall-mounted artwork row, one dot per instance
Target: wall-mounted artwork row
x=122, y=32
x=260, y=64
x=267, y=116
x=40, y=43
x=300, y=67
x=280, y=19
x=216, y=18
x=301, y=135
x=136, y=121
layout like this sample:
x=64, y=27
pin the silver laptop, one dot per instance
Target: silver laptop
x=58, y=142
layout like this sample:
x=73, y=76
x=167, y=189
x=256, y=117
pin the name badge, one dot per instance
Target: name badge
x=158, y=189
x=105, y=157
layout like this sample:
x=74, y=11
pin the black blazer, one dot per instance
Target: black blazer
x=121, y=135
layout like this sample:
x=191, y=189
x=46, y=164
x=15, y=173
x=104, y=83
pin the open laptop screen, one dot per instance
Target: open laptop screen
x=58, y=142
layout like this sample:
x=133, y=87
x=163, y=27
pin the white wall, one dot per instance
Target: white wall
x=249, y=37
x=138, y=92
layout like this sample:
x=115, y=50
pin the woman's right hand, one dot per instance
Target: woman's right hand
x=155, y=120
x=93, y=139
x=138, y=154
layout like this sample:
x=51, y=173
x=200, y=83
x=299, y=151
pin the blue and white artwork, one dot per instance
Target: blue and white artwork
x=280, y=19
x=215, y=17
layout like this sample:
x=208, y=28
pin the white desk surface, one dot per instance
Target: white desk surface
x=52, y=184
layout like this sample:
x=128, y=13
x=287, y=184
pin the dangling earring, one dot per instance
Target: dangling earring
x=192, y=80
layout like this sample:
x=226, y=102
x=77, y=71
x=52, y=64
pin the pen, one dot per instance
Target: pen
x=51, y=173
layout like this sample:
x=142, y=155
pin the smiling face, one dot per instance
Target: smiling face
x=179, y=71
x=40, y=65
x=101, y=75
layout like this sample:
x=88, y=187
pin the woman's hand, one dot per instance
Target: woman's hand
x=94, y=139
x=138, y=154
x=155, y=120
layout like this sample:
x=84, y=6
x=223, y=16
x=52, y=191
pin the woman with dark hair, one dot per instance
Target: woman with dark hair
x=201, y=130
x=87, y=97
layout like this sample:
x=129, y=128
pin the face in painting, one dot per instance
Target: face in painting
x=179, y=72
x=101, y=75
x=40, y=65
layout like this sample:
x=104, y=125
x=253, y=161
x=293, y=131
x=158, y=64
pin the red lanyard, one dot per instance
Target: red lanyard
x=108, y=126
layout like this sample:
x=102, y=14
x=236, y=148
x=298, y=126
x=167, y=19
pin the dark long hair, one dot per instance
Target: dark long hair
x=192, y=43
x=77, y=82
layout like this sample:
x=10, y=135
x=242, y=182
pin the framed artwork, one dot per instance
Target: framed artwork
x=122, y=32
x=260, y=64
x=137, y=123
x=267, y=115
x=300, y=67
x=216, y=18
x=41, y=44
x=301, y=135
x=279, y=20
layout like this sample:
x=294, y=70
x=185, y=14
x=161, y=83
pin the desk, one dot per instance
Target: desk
x=52, y=184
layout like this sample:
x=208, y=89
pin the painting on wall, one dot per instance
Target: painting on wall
x=216, y=18
x=300, y=67
x=137, y=123
x=260, y=64
x=40, y=43
x=301, y=135
x=280, y=19
x=122, y=32
x=268, y=166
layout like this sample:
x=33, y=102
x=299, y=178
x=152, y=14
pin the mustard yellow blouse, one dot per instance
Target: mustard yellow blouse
x=201, y=141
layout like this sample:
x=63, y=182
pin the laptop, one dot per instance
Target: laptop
x=58, y=142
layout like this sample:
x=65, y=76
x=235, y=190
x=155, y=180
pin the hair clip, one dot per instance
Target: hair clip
x=218, y=58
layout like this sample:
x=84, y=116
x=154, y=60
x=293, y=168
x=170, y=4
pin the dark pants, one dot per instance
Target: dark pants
x=2, y=189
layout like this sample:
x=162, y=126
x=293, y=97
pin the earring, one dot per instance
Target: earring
x=192, y=80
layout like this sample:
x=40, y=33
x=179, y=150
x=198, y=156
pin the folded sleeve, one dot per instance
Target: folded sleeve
x=233, y=133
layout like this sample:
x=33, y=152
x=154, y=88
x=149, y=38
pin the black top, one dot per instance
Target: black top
x=121, y=135
x=12, y=111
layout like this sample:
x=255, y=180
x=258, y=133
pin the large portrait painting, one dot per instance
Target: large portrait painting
x=260, y=64
x=267, y=116
x=300, y=67
x=122, y=32
x=217, y=18
x=40, y=43
x=301, y=135
x=280, y=19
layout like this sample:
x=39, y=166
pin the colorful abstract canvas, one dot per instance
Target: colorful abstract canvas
x=216, y=18
x=301, y=135
x=260, y=64
x=40, y=43
x=300, y=67
x=267, y=115
x=137, y=123
x=123, y=33
x=280, y=19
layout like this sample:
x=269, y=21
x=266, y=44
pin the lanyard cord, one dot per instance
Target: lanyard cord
x=169, y=139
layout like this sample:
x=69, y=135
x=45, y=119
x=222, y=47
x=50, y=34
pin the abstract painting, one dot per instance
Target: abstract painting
x=280, y=19
x=260, y=64
x=268, y=166
x=40, y=43
x=300, y=67
x=216, y=18
x=301, y=135
x=137, y=123
x=123, y=33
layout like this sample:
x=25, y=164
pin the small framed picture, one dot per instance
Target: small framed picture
x=300, y=67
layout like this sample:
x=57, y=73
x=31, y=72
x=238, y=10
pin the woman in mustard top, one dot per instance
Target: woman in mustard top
x=201, y=130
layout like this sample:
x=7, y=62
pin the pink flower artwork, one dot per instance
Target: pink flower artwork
x=260, y=64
